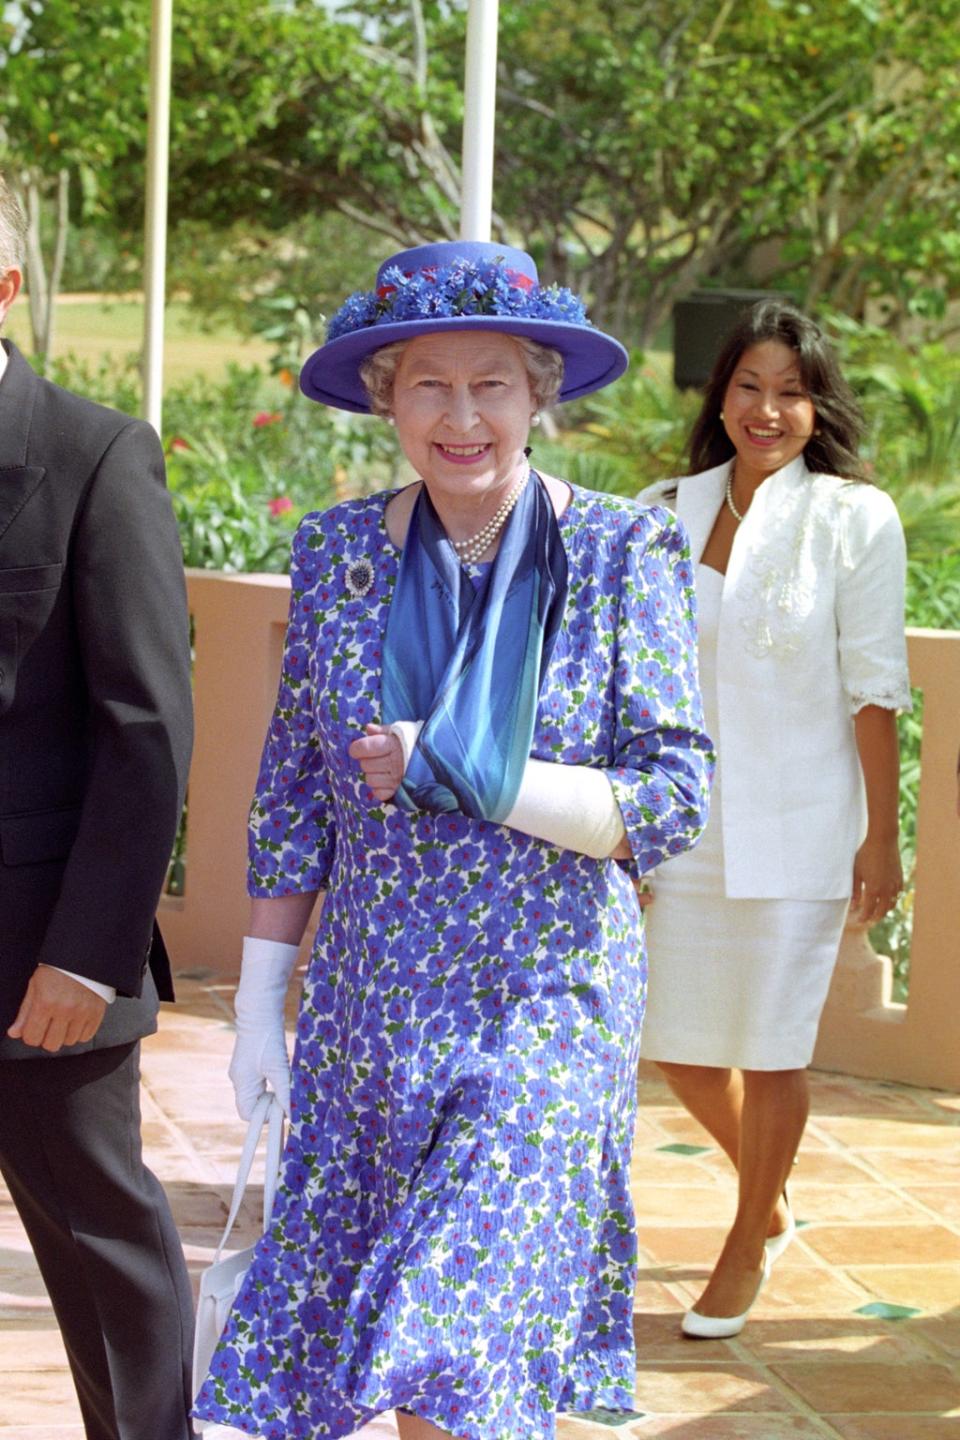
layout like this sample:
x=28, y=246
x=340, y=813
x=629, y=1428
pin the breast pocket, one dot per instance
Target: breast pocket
x=25, y=579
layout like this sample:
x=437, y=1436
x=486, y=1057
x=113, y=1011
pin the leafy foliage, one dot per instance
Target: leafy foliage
x=246, y=462
x=642, y=150
x=933, y=602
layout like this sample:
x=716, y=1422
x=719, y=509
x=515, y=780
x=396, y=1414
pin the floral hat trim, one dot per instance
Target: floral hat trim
x=465, y=287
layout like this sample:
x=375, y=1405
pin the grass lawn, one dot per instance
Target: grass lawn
x=92, y=327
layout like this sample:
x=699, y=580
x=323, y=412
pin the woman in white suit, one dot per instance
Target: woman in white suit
x=799, y=574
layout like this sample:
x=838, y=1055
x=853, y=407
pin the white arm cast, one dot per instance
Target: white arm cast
x=572, y=806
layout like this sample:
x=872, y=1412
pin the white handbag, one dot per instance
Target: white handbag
x=221, y=1280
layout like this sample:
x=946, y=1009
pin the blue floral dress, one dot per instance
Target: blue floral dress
x=454, y=1233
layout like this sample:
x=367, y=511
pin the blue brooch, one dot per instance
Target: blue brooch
x=359, y=578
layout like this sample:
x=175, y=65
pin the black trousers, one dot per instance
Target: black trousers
x=103, y=1237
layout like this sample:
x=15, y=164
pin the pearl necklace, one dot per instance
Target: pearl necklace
x=470, y=550
x=730, y=505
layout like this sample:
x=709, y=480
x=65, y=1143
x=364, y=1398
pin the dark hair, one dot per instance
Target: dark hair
x=839, y=419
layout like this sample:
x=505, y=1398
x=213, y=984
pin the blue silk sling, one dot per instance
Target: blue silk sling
x=467, y=657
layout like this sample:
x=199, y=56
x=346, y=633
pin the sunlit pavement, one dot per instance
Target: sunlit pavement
x=857, y=1335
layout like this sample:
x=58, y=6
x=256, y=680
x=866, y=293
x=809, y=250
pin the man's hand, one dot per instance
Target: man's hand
x=57, y=1011
x=380, y=754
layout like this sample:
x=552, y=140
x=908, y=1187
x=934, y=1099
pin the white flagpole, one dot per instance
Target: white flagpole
x=479, y=120
x=155, y=247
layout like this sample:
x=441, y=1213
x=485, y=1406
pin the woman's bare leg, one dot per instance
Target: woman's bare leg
x=714, y=1097
x=773, y=1115
x=411, y=1427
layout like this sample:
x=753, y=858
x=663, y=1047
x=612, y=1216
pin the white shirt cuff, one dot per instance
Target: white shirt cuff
x=106, y=992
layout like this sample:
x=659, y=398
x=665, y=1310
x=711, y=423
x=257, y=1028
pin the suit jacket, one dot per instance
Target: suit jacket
x=811, y=630
x=95, y=704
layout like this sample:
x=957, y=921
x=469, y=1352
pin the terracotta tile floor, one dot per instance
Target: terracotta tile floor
x=857, y=1337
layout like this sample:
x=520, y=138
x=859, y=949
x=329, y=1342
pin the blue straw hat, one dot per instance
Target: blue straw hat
x=458, y=285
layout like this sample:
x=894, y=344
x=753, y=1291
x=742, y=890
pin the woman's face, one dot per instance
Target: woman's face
x=767, y=413
x=462, y=406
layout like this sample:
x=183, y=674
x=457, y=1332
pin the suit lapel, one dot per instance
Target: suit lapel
x=18, y=479
x=18, y=392
x=17, y=484
x=699, y=497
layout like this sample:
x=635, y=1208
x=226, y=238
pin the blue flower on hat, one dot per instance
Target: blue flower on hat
x=451, y=285
x=462, y=288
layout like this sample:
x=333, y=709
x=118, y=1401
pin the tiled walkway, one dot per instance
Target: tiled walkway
x=857, y=1336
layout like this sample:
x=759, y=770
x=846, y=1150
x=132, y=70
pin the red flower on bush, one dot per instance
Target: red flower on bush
x=177, y=443
x=279, y=505
x=267, y=417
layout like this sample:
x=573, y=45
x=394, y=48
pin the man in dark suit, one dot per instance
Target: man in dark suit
x=95, y=733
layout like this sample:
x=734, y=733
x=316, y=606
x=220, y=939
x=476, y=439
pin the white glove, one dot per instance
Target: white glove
x=260, y=1050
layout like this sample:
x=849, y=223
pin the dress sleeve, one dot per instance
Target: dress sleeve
x=870, y=600
x=663, y=761
x=292, y=833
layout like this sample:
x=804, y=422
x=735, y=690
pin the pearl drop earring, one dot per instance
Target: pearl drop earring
x=535, y=418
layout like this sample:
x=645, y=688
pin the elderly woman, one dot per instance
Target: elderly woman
x=800, y=580
x=488, y=692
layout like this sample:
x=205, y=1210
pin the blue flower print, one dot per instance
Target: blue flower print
x=453, y=1231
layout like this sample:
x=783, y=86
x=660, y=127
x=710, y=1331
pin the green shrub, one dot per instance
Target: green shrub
x=247, y=457
x=933, y=602
x=620, y=440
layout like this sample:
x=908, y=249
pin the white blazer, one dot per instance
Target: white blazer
x=811, y=630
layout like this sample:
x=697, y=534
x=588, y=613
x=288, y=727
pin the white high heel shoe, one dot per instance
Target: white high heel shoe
x=775, y=1245
x=722, y=1327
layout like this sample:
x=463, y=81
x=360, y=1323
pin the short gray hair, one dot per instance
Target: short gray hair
x=543, y=364
x=13, y=228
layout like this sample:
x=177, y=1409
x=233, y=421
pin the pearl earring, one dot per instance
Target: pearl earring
x=535, y=418
x=721, y=414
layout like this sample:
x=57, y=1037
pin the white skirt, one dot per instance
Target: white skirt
x=737, y=982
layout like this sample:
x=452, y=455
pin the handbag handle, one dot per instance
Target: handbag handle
x=267, y=1111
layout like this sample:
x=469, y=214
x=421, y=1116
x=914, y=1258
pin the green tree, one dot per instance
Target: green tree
x=650, y=147
x=643, y=149
x=73, y=87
